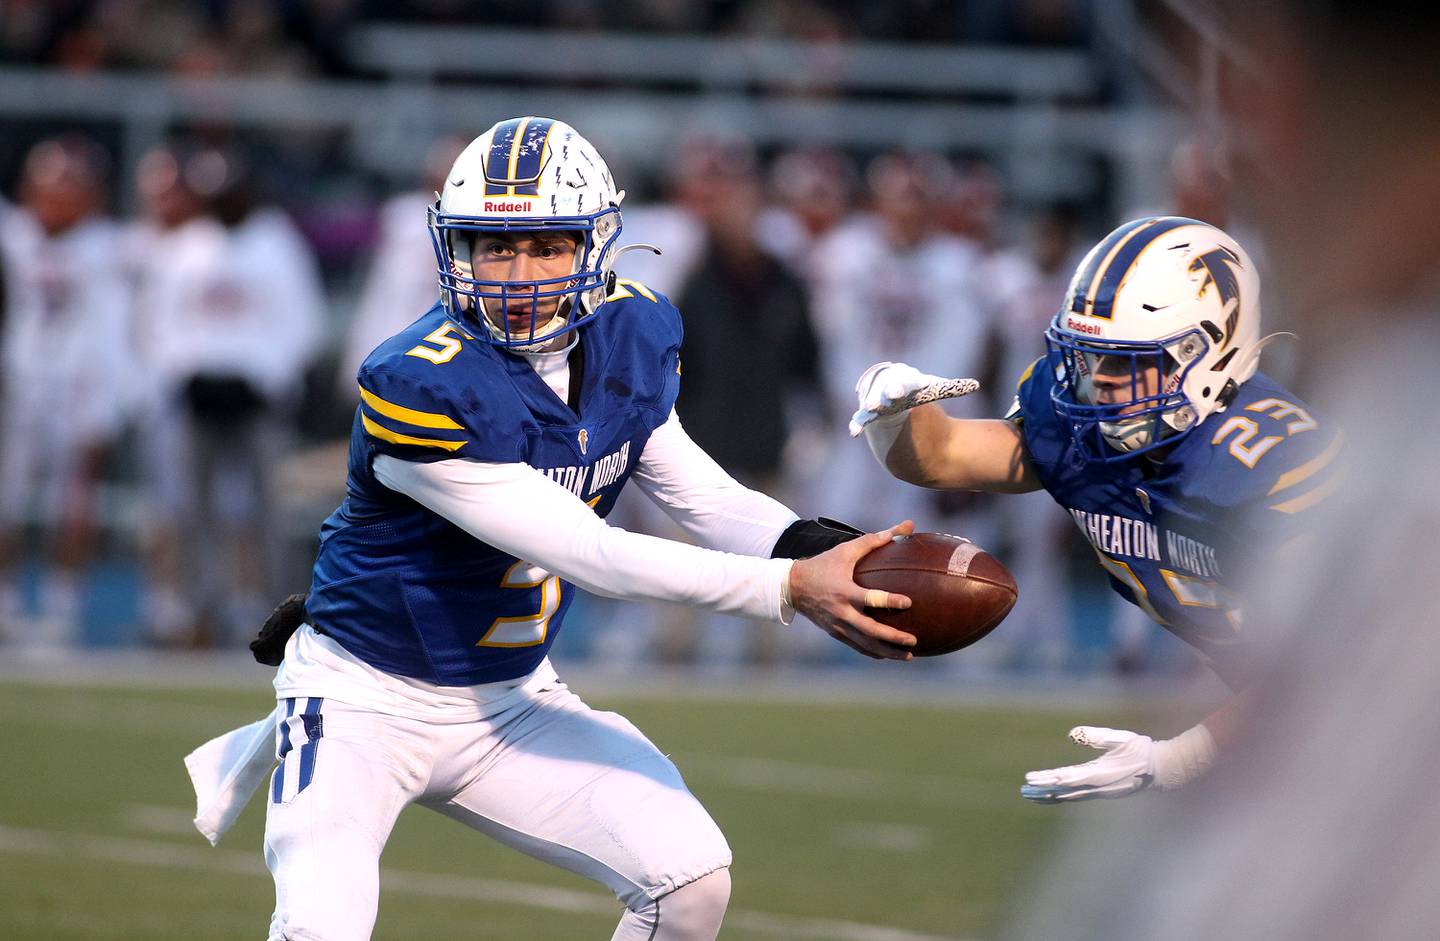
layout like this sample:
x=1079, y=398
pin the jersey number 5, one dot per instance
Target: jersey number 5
x=528, y=630
x=441, y=337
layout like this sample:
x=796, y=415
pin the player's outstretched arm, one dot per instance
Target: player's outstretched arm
x=1129, y=763
x=917, y=442
x=823, y=589
x=1132, y=763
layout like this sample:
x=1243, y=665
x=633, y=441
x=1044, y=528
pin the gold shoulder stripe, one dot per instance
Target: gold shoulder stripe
x=622, y=290
x=1306, y=500
x=385, y=434
x=1027, y=373
x=408, y=415
x=1307, y=470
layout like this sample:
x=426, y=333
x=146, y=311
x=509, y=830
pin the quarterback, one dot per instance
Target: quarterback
x=1148, y=422
x=492, y=438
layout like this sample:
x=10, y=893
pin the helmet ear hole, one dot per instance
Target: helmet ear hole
x=1215, y=332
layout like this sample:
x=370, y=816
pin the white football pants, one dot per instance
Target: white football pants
x=551, y=777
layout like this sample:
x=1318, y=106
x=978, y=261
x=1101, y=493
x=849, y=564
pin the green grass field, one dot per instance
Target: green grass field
x=855, y=821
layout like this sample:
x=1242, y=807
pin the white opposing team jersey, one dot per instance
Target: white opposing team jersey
x=1022, y=301
x=245, y=302
x=66, y=344
x=401, y=282
x=874, y=301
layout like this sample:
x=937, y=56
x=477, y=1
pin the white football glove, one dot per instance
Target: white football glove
x=1131, y=763
x=886, y=391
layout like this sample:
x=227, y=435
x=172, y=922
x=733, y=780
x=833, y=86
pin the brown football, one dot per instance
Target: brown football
x=959, y=592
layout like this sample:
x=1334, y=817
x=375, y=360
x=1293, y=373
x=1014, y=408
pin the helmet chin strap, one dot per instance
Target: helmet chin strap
x=556, y=322
x=1132, y=434
x=1128, y=434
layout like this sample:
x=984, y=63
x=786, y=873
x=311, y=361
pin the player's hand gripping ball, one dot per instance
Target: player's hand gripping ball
x=959, y=592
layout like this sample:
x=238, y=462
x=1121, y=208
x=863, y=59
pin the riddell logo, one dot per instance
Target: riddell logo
x=498, y=206
x=1081, y=327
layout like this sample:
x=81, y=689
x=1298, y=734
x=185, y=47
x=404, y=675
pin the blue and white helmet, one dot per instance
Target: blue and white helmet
x=1165, y=292
x=526, y=175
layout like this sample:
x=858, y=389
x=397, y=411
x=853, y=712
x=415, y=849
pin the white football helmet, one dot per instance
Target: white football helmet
x=526, y=175
x=1166, y=312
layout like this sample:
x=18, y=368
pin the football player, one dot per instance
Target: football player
x=66, y=335
x=493, y=436
x=1149, y=423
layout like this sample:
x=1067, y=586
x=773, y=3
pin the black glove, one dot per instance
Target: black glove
x=269, y=646
x=226, y=401
x=804, y=538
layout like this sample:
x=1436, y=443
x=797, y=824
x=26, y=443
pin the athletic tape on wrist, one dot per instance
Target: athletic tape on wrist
x=881, y=433
x=1184, y=758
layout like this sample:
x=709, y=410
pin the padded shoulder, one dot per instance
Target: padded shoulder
x=649, y=310
x=430, y=393
x=1270, y=451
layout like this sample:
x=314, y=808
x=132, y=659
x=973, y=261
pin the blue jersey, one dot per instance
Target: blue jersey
x=1177, y=535
x=409, y=592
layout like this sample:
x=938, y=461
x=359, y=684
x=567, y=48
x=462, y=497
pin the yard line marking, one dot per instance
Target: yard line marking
x=172, y=821
x=131, y=851
x=899, y=837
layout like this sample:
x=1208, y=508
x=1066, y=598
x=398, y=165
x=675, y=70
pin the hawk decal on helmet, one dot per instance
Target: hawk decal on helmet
x=1221, y=269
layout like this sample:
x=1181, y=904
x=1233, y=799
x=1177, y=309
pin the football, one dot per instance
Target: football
x=959, y=592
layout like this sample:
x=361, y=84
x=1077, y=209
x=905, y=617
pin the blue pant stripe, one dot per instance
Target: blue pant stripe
x=277, y=778
x=284, y=748
x=314, y=729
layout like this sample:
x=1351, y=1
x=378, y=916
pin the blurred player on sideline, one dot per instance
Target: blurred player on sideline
x=891, y=284
x=231, y=309
x=493, y=437
x=67, y=364
x=1148, y=422
x=401, y=279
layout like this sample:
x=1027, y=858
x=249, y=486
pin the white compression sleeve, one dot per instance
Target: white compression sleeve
x=713, y=507
x=520, y=511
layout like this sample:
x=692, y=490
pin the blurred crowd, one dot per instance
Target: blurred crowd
x=178, y=340
x=178, y=385
x=309, y=36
